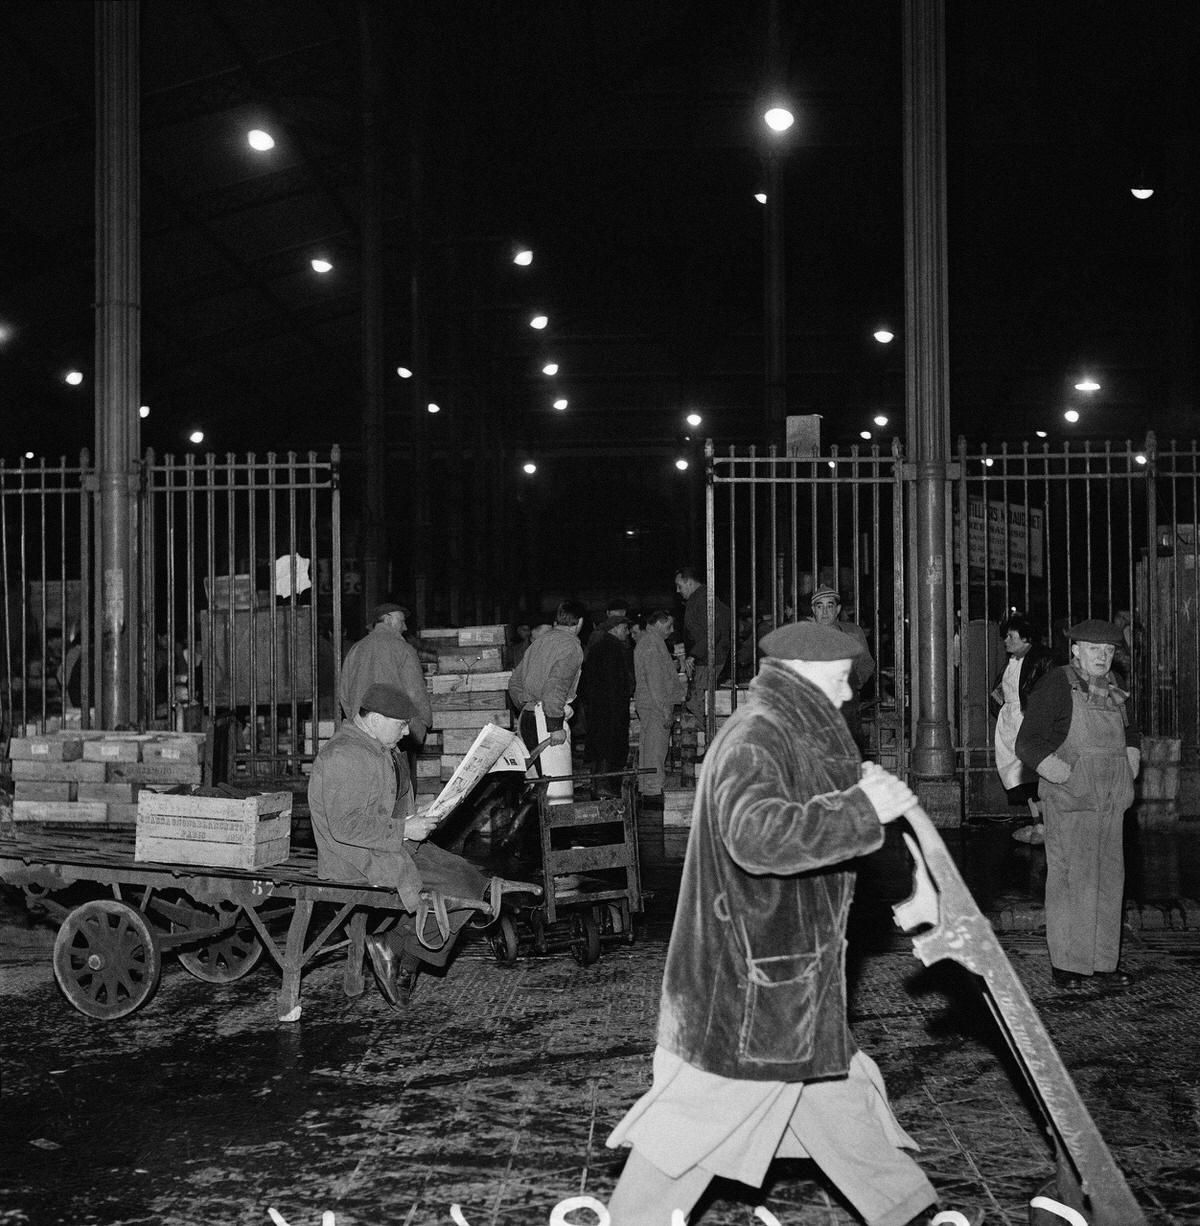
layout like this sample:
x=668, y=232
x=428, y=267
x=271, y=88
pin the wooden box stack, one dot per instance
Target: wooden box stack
x=677, y=821
x=220, y=831
x=93, y=778
x=468, y=688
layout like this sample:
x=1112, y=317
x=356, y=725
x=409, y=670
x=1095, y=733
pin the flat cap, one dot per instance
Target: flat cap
x=388, y=700
x=808, y=641
x=1095, y=631
x=382, y=610
x=823, y=591
x=617, y=619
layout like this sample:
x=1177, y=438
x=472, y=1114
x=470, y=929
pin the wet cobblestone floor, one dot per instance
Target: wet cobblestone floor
x=497, y=1090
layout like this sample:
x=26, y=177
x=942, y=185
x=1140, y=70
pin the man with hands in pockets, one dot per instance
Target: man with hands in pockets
x=754, y=1057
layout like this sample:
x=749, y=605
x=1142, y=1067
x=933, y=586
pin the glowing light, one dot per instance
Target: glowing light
x=628, y=531
x=1072, y=415
x=883, y=336
x=761, y=197
x=551, y=368
x=524, y=257
x=864, y=434
x=779, y=119
x=1087, y=384
x=404, y=372
x=539, y=322
x=74, y=377
x=5, y=333
x=1139, y=458
x=681, y=464
x=321, y=265
x=1040, y=433
x=988, y=461
x=1141, y=193
x=560, y=404
x=694, y=419
x=260, y=140
x=880, y=421
x=529, y=468
x=29, y=455
x=196, y=436
x=144, y=411
x=434, y=408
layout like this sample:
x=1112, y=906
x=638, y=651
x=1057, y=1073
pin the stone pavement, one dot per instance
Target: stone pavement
x=496, y=1092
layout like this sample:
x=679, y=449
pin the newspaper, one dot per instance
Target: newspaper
x=494, y=749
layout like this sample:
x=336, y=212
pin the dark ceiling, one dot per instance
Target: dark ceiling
x=619, y=139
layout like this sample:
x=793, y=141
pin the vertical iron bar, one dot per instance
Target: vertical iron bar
x=292, y=609
x=253, y=665
x=335, y=580
x=1152, y=574
x=1087, y=519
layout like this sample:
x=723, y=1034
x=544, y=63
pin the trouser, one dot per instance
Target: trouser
x=445, y=873
x=836, y=1126
x=654, y=739
x=698, y=691
x=1085, y=883
x=554, y=760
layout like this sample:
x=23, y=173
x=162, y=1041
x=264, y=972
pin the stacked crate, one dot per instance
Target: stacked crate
x=93, y=778
x=468, y=688
x=230, y=828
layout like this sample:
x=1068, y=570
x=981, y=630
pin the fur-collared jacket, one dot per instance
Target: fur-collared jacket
x=755, y=980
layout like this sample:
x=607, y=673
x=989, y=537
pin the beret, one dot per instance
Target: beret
x=382, y=610
x=823, y=591
x=388, y=700
x=1096, y=631
x=808, y=641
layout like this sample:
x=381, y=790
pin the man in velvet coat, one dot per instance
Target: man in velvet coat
x=754, y=1057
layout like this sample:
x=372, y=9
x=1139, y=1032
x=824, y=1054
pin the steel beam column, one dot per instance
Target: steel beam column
x=926, y=369
x=118, y=349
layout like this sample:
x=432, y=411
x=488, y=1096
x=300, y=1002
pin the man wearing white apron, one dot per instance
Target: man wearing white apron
x=542, y=687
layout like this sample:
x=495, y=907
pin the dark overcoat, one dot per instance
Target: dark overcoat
x=755, y=980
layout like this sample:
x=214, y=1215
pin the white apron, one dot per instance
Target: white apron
x=1009, y=767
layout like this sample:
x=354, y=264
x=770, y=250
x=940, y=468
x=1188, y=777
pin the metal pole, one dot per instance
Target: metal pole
x=118, y=343
x=374, y=517
x=926, y=368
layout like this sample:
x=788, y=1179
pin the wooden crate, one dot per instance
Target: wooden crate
x=53, y=747
x=469, y=719
x=447, y=683
x=114, y=748
x=429, y=767
x=458, y=740
x=61, y=812
x=122, y=814
x=469, y=700
x=220, y=831
x=479, y=636
x=79, y=772
x=466, y=659
x=32, y=789
x=110, y=793
x=177, y=747
x=153, y=772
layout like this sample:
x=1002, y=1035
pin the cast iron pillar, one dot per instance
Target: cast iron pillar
x=118, y=353
x=927, y=373
x=374, y=510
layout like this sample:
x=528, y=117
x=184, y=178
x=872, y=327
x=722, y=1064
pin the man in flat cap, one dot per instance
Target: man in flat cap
x=827, y=611
x=366, y=829
x=1079, y=737
x=754, y=1056
x=386, y=657
x=605, y=688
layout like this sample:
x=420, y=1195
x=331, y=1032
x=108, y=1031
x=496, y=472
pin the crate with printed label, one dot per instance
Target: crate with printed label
x=227, y=829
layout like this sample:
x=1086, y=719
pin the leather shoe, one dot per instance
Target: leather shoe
x=1121, y=979
x=383, y=963
x=1067, y=980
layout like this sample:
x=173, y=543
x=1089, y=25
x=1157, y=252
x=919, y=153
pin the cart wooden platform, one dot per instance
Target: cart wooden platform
x=218, y=921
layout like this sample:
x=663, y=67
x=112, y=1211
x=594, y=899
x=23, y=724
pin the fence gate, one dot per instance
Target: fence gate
x=779, y=527
x=1060, y=533
x=239, y=580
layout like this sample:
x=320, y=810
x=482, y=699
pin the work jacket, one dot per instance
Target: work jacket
x=755, y=984
x=1035, y=664
x=386, y=658
x=357, y=822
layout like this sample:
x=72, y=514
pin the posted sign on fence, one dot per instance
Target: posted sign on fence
x=1004, y=537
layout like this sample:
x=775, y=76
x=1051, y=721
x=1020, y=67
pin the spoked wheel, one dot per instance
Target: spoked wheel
x=585, y=937
x=224, y=958
x=106, y=960
x=504, y=941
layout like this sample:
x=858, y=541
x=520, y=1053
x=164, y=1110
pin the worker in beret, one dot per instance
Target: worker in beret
x=386, y=657
x=754, y=1057
x=827, y=611
x=1079, y=737
x=366, y=829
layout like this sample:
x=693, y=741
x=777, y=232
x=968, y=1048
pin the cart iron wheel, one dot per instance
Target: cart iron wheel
x=224, y=958
x=105, y=959
x=617, y=924
x=585, y=937
x=504, y=941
